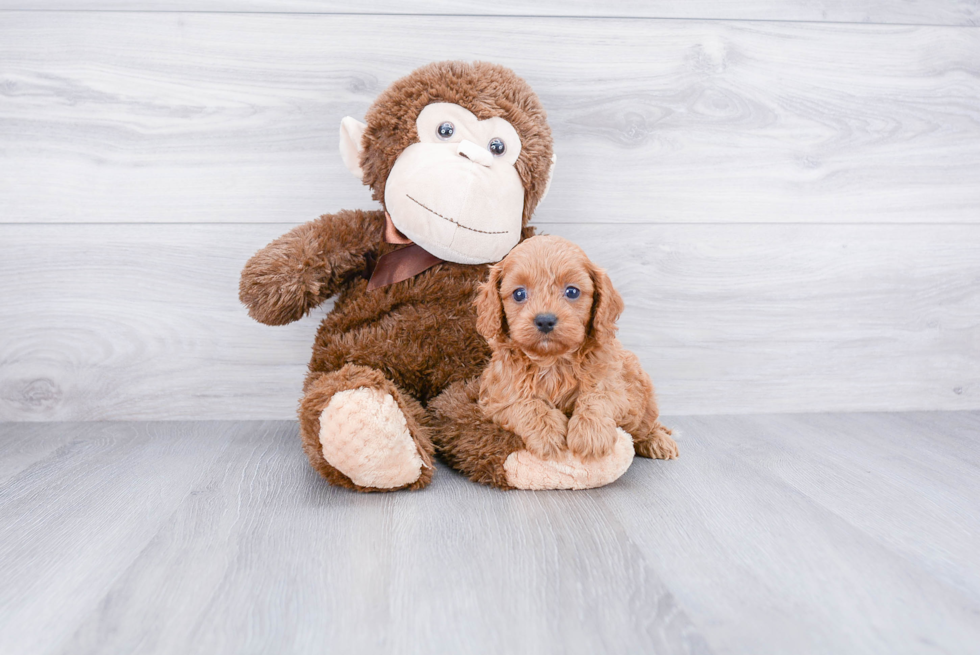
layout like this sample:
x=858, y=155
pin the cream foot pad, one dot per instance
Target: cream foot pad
x=527, y=471
x=364, y=436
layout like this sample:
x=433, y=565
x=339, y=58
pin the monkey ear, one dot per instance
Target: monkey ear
x=551, y=173
x=351, y=133
x=490, y=321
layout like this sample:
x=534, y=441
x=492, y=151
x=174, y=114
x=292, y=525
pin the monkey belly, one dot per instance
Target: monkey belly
x=421, y=334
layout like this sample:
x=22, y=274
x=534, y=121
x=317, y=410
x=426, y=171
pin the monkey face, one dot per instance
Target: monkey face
x=456, y=192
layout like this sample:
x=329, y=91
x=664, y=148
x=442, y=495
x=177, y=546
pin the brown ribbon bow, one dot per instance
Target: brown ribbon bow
x=401, y=264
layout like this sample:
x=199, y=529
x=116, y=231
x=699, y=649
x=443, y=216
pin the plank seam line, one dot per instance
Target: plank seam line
x=507, y=16
x=535, y=223
x=135, y=422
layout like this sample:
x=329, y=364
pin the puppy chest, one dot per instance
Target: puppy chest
x=558, y=386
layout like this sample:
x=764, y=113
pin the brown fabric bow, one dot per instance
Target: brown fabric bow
x=401, y=264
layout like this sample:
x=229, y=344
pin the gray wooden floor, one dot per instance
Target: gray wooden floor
x=772, y=533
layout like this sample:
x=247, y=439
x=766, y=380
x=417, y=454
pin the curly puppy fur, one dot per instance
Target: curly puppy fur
x=410, y=339
x=558, y=377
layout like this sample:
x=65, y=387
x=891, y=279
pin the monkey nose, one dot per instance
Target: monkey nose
x=474, y=153
x=545, y=322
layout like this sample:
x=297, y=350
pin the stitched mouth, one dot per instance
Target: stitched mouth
x=446, y=218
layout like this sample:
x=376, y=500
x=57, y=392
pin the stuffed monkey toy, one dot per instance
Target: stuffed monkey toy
x=459, y=155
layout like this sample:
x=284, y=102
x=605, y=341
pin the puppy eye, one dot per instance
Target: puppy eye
x=446, y=130
x=572, y=293
x=497, y=147
x=520, y=294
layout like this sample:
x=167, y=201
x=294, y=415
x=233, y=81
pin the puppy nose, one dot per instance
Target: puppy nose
x=545, y=322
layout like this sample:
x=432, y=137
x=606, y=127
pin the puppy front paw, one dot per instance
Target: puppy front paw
x=658, y=445
x=591, y=437
x=546, y=439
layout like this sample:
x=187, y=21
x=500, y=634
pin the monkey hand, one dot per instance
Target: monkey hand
x=277, y=286
x=304, y=267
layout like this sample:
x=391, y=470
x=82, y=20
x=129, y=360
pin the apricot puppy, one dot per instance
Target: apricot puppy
x=558, y=377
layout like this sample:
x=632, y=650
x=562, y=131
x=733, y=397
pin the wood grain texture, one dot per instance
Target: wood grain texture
x=942, y=12
x=261, y=556
x=21, y=446
x=142, y=321
x=832, y=469
x=108, y=491
x=189, y=117
x=806, y=534
x=816, y=531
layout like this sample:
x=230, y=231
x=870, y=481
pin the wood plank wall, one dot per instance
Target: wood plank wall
x=786, y=193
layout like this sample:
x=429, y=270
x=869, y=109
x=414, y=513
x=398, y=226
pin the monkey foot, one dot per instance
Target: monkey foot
x=527, y=471
x=364, y=435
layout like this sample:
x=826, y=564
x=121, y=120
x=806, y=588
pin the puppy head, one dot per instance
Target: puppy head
x=548, y=299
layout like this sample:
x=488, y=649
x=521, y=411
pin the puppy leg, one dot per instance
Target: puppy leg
x=650, y=437
x=592, y=427
x=473, y=444
x=656, y=444
x=591, y=431
x=541, y=426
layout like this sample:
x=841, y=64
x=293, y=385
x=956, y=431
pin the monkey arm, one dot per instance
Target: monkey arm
x=307, y=265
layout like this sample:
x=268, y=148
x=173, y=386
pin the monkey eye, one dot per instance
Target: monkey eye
x=496, y=146
x=572, y=292
x=446, y=130
x=520, y=294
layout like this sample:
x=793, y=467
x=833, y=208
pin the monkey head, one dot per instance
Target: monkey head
x=458, y=154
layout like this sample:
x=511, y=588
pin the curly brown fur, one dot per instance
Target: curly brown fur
x=308, y=264
x=417, y=336
x=573, y=385
x=321, y=388
x=466, y=440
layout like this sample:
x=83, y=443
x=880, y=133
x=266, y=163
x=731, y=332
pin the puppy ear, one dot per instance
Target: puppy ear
x=490, y=320
x=607, y=305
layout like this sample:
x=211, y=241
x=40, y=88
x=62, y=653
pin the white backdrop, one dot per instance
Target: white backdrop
x=787, y=194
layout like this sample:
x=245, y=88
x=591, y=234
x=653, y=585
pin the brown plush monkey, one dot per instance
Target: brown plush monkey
x=459, y=155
